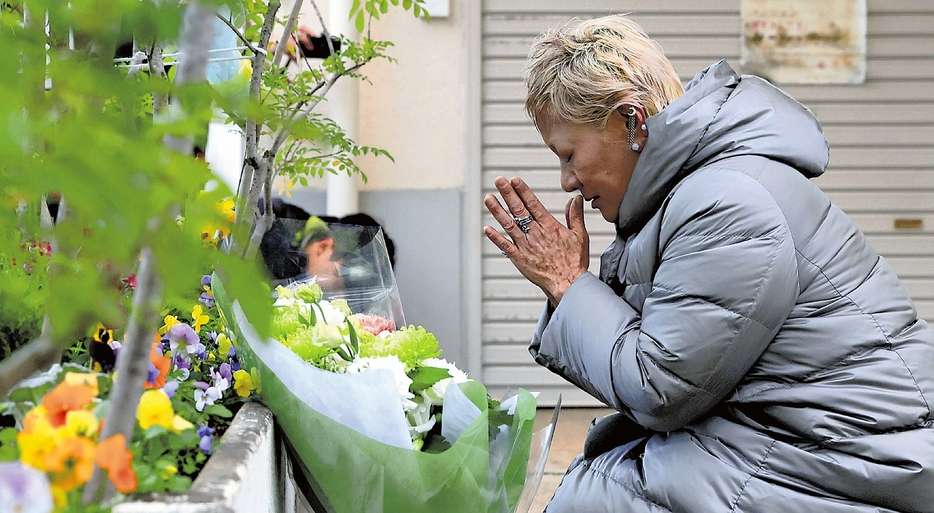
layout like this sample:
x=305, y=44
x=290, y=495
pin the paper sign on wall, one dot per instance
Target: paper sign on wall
x=805, y=41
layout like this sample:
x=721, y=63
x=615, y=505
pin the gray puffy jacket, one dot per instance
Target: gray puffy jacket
x=763, y=357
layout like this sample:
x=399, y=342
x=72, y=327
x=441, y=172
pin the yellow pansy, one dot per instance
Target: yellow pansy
x=198, y=318
x=170, y=320
x=79, y=423
x=82, y=378
x=37, y=438
x=243, y=383
x=223, y=344
x=155, y=408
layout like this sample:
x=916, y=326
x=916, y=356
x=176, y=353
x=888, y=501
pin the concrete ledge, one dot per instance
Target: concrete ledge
x=243, y=475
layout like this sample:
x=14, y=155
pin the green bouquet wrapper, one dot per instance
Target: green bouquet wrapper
x=351, y=468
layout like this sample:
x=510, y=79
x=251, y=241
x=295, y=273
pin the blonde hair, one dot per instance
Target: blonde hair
x=584, y=70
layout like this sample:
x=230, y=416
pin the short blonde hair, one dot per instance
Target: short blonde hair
x=584, y=70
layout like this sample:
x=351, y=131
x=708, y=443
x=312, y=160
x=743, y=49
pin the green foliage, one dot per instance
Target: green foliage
x=23, y=284
x=91, y=139
x=306, y=144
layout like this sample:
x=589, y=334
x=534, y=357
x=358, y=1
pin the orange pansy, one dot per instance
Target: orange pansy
x=71, y=462
x=113, y=456
x=67, y=397
x=163, y=365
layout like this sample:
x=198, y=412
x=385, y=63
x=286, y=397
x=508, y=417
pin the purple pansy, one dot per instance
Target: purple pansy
x=24, y=489
x=206, y=441
x=171, y=387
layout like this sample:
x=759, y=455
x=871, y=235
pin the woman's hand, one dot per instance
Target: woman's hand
x=546, y=252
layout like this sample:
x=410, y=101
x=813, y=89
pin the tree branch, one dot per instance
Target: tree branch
x=240, y=36
x=286, y=32
x=245, y=210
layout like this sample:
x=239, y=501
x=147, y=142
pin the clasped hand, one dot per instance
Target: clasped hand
x=546, y=252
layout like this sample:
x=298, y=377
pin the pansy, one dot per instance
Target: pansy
x=155, y=408
x=243, y=383
x=221, y=382
x=206, y=442
x=205, y=395
x=181, y=332
x=24, y=489
x=70, y=462
x=224, y=345
x=80, y=423
x=36, y=439
x=66, y=397
x=170, y=320
x=171, y=387
x=199, y=318
x=159, y=367
x=180, y=424
x=113, y=456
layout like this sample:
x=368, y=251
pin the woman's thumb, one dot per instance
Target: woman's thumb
x=574, y=214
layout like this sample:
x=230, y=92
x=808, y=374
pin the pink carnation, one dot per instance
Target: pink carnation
x=376, y=324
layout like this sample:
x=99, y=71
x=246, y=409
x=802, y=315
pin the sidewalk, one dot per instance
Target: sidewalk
x=568, y=443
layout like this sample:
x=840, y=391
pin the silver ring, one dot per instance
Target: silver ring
x=524, y=222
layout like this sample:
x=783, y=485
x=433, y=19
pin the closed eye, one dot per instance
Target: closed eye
x=568, y=159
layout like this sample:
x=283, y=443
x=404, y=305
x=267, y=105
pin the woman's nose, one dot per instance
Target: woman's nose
x=568, y=179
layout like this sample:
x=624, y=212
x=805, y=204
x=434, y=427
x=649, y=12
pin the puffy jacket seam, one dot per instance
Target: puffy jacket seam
x=668, y=372
x=803, y=379
x=913, y=380
x=722, y=307
x=751, y=476
x=885, y=335
x=628, y=488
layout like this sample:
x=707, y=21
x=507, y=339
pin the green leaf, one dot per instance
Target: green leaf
x=425, y=377
x=218, y=410
x=154, y=431
x=359, y=24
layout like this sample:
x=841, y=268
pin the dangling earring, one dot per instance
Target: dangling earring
x=631, y=125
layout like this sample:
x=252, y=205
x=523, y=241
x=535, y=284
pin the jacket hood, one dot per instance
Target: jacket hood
x=720, y=115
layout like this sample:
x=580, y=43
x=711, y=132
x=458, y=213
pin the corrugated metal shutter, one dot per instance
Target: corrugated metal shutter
x=881, y=135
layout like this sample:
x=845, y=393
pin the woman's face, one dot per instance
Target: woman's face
x=598, y=164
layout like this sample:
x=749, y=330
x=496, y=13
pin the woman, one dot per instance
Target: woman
x=762, y=357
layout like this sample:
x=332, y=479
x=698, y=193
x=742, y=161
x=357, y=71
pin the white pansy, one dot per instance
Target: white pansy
x=394, y=365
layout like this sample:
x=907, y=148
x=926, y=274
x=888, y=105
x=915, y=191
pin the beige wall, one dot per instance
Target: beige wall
x=415, y=108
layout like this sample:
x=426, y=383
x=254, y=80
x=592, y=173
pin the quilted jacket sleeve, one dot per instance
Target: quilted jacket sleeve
x=726, y=281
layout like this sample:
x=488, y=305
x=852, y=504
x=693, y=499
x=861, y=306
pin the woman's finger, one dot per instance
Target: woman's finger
x=514, y=203
x=504, y=244
x=530, y=200
x=502, y=216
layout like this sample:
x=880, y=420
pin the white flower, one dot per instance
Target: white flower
x=435, y=394
x=206, y=397
x=24, y=489
x=420, y=419
x=394, y=365
x=332, y=315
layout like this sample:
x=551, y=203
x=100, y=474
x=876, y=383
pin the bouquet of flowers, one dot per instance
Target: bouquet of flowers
x=377, y=420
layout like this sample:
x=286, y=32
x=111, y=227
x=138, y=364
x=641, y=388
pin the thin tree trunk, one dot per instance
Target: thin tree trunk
x=253, y=163
x=133, y=362
x=132, y=368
